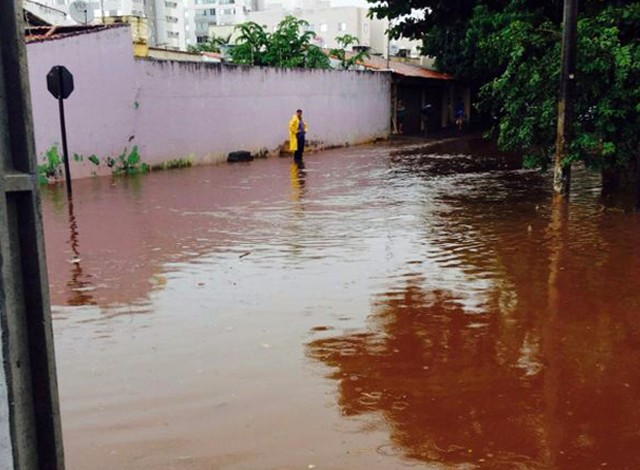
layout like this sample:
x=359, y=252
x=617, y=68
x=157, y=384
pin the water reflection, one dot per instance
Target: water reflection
x=80, y=283
x=541, y=372
x=297, y=176
x=433, y=373
x=456, y=388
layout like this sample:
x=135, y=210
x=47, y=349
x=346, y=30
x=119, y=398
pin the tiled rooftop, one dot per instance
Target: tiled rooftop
x=50, y=33
x=404, y=69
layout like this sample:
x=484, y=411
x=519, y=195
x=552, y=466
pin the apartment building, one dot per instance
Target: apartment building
x=48, y=11
x=201, y=15
x=165, y=18
x=167, y=24
x=329, y=21
x=178, y=24
x=101, y=7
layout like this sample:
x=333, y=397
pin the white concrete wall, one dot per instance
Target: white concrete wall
x=201, y=111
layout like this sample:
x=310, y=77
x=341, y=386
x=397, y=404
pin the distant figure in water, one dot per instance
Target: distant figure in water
x=401, y=112
x=297, y=132
x=458, y=111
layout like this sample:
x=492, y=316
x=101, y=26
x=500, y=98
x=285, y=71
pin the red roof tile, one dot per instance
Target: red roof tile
x=404, y=69
x=213, y=55
x=49, y=33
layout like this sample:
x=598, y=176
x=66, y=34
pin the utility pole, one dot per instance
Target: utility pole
x=388, y=47
x=562, y=173
x=30, y=430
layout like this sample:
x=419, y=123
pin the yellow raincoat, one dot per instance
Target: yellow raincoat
x=293, y=130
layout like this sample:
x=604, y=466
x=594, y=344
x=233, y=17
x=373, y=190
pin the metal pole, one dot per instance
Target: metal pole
x=30, y=431
x=562, y=172
x=63, y=131
x=388, y=43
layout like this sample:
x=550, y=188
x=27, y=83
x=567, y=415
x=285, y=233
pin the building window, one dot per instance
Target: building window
x=324, y=28
x=202, y=39
x=212, y=12
x=170, y=4
x=201, y=12
x=228, y=11
x=342, y=27
x=227, y=2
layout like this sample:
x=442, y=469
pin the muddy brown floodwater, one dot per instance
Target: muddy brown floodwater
x=388, y=308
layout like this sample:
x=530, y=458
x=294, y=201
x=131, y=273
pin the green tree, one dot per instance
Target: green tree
x=289, y=43
x=316, y=59
x=510, y=51
x=288, y=46
x=348, y=61
x=251, y=44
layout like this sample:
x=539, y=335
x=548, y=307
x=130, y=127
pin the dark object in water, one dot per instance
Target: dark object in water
x=239, y=156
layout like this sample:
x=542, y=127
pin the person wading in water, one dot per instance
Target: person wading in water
x=297, y=131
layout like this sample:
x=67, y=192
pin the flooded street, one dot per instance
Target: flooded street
x=386, y=308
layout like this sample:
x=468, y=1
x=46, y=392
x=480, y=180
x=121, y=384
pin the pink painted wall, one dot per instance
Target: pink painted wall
x=193, y=110
x=99, y=113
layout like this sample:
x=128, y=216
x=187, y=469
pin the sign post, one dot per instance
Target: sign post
x=60, y=85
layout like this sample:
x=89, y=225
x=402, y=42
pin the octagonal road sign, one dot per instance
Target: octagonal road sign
x=60, y=82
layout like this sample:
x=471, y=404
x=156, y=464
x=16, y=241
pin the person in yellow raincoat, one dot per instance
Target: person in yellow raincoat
x=297, y=131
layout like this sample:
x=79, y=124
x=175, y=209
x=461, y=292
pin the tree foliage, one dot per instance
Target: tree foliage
x=510, y=51
x=348, y=61
x=289, y=46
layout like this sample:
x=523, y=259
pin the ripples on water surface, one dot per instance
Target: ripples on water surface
x=387, y=308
